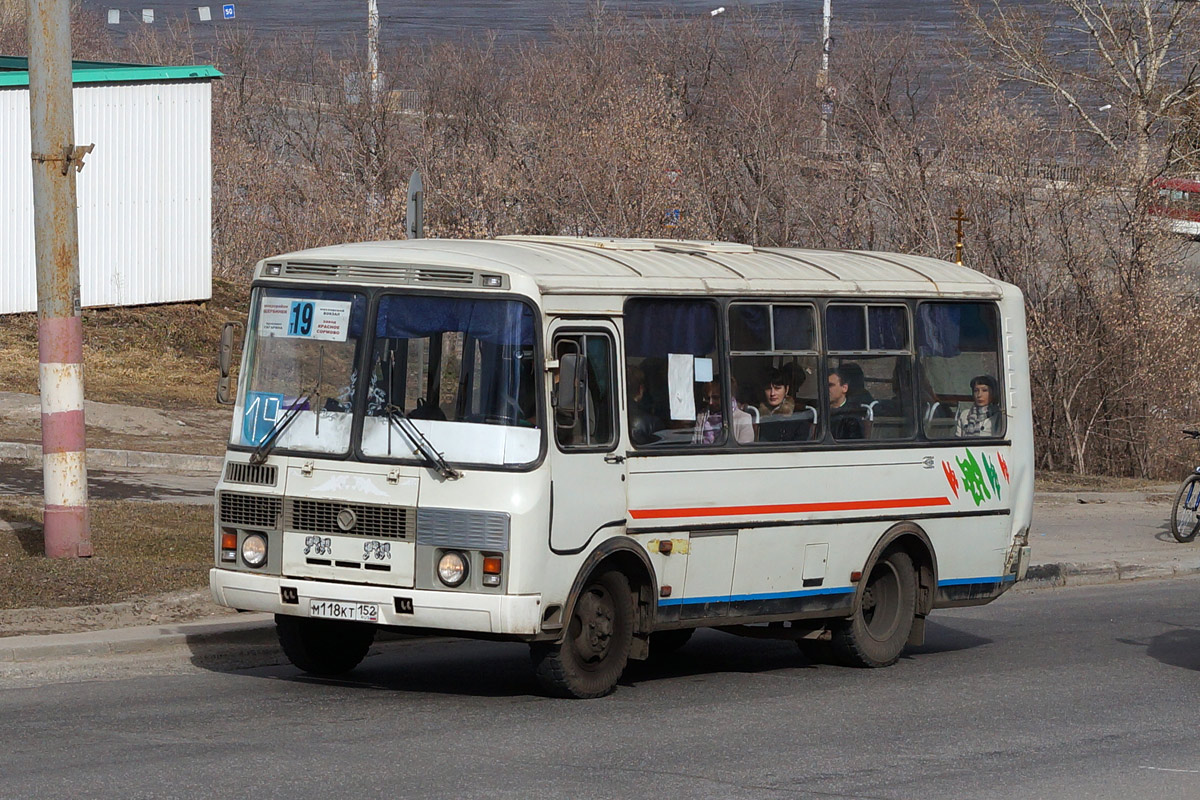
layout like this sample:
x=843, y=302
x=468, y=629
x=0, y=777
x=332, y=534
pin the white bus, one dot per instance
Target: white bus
x=596, y=446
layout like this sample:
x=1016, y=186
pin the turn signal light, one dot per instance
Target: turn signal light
x=228, y=545
x=491, y=570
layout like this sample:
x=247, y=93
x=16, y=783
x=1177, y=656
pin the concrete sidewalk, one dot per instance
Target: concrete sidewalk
x=1078, y=538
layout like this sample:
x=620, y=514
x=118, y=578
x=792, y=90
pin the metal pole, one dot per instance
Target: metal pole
x=414, y=222
x=60, y=326
x=373, y=47
x=823, y=76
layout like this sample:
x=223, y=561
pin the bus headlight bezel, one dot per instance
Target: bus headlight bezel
x=254, y=550
x=453, y=568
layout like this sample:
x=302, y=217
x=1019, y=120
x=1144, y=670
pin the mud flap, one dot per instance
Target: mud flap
x=639, y=648
x=916, y=636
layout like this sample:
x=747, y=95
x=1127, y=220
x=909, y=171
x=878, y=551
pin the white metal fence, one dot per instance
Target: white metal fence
x=144, y=195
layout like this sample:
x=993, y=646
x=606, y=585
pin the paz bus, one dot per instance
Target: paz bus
x=596, y=446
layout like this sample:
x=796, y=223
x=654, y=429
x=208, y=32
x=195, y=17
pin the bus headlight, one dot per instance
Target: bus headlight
x=254, y=550
x=452, y=568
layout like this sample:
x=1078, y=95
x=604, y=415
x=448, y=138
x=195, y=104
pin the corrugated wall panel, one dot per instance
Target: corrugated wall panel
x=18, y=281
x=144, y=195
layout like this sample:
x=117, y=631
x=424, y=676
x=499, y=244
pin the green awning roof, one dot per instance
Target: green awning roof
x=14, y=71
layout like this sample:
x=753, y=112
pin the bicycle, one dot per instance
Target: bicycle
x=1185, y=514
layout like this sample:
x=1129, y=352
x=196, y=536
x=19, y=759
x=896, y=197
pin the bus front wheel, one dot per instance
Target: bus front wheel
x=590, y=659
x=877, y=632
x=324, y=648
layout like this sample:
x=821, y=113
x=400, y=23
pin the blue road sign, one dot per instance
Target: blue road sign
x=228, y=11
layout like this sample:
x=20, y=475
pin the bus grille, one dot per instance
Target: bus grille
x=384, y=522
x=260, y=475
x=249, y=510
x=470, y=530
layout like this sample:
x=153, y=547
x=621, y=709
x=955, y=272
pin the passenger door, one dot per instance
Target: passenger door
x=587, y=475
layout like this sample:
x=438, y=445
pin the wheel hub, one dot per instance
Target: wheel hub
x=595, y=614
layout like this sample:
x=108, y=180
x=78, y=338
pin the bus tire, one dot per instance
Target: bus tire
x=664, y=643
x=592, y=655
x=321, y=647
x=876, y=633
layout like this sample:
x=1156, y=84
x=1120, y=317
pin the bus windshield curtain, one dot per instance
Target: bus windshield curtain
x=948, y=329
x=659, y=327
x=501, y=322
x=886, y=328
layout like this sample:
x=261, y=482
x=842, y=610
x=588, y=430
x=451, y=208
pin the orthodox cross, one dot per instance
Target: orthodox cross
x=959, y=218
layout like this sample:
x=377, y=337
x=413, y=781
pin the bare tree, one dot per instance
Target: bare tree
x=1125, y=72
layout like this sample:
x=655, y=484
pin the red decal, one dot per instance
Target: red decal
x=1003, y=467
x=790, y=508
x=951, y=478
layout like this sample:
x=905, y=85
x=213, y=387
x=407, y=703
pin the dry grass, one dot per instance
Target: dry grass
x=141, y=549
x=1045, y=481
x=154, y=356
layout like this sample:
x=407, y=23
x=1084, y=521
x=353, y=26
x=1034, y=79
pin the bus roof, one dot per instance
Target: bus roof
x=566, y=265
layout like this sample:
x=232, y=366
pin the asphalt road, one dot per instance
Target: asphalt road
x=1065, y=693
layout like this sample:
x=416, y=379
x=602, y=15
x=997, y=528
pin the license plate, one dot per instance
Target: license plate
x=351, y=612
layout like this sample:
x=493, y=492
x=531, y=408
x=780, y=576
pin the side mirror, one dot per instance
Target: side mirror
x=225, y=363
x=572, y=387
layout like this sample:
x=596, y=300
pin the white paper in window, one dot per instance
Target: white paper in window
x=681, y=370
x=704, y=370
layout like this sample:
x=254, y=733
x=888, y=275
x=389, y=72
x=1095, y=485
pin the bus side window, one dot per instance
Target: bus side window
x=671, y=361
x=773, y=368
x=870, y=372
x=958, y=347
x=590, y=426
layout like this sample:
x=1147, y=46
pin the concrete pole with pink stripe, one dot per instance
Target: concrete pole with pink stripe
x=56, y=160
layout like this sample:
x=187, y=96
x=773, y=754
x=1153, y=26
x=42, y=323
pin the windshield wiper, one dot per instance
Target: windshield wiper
x=268, y=443
x=398, y=418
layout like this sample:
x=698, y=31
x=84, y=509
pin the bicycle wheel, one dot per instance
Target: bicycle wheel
x=1185, y=522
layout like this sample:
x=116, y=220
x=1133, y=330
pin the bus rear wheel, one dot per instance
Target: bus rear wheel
x=590, y=659
x=877, y=632
x=321, y=647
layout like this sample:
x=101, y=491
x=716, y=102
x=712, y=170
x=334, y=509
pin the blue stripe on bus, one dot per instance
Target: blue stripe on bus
x=737, y=598
x=682, y=601
x=978, y=581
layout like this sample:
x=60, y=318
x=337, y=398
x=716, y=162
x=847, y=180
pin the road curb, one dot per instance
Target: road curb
x=201, y=637
x=1050, y=576
x=100, y=457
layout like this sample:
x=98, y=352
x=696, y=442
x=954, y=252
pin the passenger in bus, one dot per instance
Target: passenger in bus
x=845, y=418
x=982, y=418
x=643, y=425
x=711, y=418
x=856, y=383
x=777, y=421
x=747, y=407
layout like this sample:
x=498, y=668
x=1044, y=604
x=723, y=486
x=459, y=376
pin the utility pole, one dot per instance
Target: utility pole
x=414, y=221
x=373, y=48
x=823, y=73
x=56, y=160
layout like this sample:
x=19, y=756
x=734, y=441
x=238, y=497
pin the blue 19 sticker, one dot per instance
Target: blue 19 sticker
x=300, y=318
x=262, y=410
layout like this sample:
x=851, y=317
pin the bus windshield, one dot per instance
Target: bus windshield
x=462, y=369
x=300, y=379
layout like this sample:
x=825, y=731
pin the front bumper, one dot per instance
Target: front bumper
x=517, y=615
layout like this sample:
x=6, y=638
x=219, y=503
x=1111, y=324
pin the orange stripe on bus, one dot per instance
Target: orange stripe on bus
x=789, y=508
